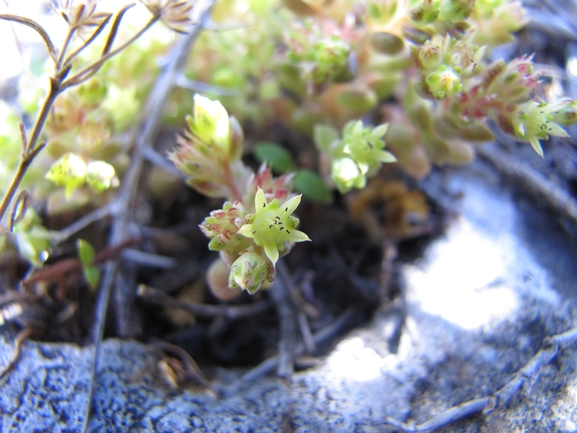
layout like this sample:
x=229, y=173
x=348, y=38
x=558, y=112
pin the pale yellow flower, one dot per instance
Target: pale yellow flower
x=272, y=225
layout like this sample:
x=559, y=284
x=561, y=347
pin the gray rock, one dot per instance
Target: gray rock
x=477, y=307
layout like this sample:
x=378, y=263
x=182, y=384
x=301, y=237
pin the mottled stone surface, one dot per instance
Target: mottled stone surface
x=478, y=305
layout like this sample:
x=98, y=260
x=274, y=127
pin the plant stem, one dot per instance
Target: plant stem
x=29, y=153
x=85, y=73
x=64, y=48
x=57, y=87
x=236, y=194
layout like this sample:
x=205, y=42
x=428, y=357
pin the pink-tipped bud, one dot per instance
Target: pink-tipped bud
x=236, y=139
x=430, y=56
x=222, y=228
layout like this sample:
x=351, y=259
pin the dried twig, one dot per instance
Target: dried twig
x=13, y=296
x=19, y=209
x=191, y=368
x=306, y=333
x=269, y=364
x=35, y=26
x=486, y=405
x=182, y=274
x=299, y=306
x=159, y=160
x=149, y=259
x=86, y=220
x=93, y=68
x=98, y=331
x=53, y=273
x=230, y=312
x=18, y=341
x=535, y=184
x=199, y=86
x=286, y=311
x=151, y=117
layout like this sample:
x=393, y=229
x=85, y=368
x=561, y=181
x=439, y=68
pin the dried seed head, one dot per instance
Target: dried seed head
x=81, y=15
x=176, y=14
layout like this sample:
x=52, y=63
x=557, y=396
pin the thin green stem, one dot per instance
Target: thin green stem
x=91, y=69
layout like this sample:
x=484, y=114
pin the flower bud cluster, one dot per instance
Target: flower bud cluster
x=81, y=15
x=176, y=14
x=82, y=152
x=338, y=67
x=502, y=91
x=275, y=188
x=255, y=227
x=418, y=20
x=512, y=82
x=497, y=21
x=354, y=157
x=251, y=241
x=222, y=228
x=72, y=172
x=317, y=58
x=444, y=64
x=455, y=71
x=210, y=150
x=534, y=120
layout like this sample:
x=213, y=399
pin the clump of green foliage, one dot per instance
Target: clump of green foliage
x=334, y=62
x=419, y=68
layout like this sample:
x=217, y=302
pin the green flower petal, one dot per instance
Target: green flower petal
x=297, y=236
x=271, y=251
x=259, y=200
x=290, y=205
x=247, y=230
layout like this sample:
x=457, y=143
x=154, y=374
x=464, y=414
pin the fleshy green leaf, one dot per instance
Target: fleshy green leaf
x=374, y=11
x=92, y=275
x=275, y=155
x=312, y=186
x=386, y=157
x=85, y=252
x=32, y=239
x=324, y=136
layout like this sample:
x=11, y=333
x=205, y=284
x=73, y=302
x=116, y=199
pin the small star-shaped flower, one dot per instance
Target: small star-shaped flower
x=271, y=226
